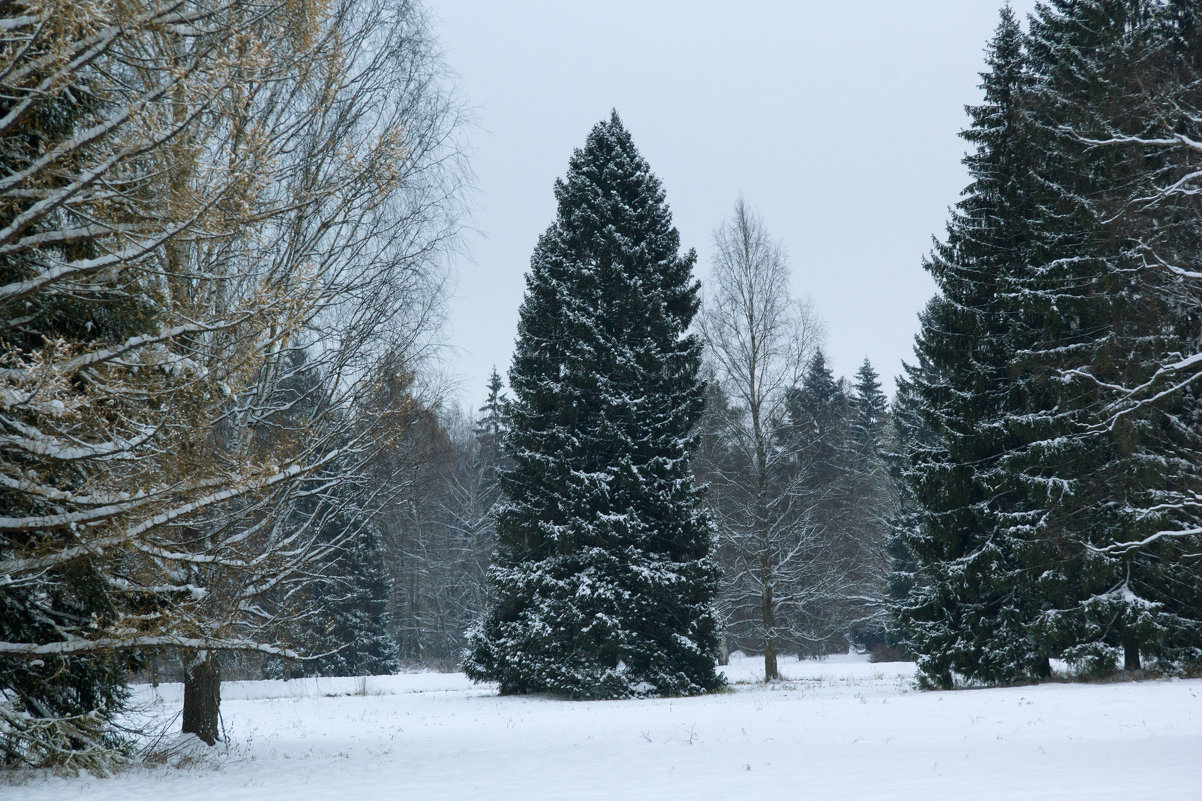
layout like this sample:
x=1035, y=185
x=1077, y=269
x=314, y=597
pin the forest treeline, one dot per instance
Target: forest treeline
x=224, y=451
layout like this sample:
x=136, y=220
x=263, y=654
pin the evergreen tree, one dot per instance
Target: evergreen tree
x=603, y=584
x=345, y=625
x=473, y=494
x=817, y=430
x=346, y=622
x=1049, y=490
x=869, y=410
x=969, y=615
x=491, y=426
x=56, y=709
x=819, y=473
x=872, y=503
x=1105, y=315
x=350, y=627
x=818, y=416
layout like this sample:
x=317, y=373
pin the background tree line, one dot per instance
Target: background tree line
x=1032, y=494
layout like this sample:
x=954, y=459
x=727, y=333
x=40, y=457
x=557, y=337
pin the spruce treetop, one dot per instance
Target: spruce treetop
x=869, y=407
x=491, y=424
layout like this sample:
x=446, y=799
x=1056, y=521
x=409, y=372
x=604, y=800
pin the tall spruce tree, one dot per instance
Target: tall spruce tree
x=348, y=627
x=1106, y=315
x=352, y=634
x=970, y=614
x=818, y=419
x=490, y=428
x=873, y=501
x=603, y=585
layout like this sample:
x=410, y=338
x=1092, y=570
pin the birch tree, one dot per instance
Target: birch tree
x=758, y=343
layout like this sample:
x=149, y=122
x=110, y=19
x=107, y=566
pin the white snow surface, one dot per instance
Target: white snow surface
x=835, y=729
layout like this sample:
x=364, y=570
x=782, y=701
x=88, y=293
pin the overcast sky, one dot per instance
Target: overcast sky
x=836, y=121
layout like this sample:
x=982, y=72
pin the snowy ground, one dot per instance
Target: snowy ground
x=838, y=729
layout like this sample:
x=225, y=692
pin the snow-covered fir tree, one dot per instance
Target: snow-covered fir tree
x=349, y=626
x=56, y=708
x=874, y=498
x=967, y=614
x=817, y=430
x=1060, y=432
x=869, y=411
x=603, y=585
x=818, y=414
x=491, y=425
x=1107, y=307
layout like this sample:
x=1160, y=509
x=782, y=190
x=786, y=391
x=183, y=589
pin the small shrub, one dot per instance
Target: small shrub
x=1092, y=661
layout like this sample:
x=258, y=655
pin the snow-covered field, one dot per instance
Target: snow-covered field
x=837, y=729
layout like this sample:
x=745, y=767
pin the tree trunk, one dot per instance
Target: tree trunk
x=202, y=695
x=1043, y=668
x=1131, y=662
x=770, y=671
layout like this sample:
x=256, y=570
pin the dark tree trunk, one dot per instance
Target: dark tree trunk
x=202, y=695
x=1130, y=653
x=1043, y=668
x=771, y=673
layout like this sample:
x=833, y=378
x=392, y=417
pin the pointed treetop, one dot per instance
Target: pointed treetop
x=495, y=386
x=819, y=371
x=609, y=182
x=870, y=405
x=492, y=413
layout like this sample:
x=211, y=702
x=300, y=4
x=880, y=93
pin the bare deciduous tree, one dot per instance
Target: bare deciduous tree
x=237, y=183
x=759, y=342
